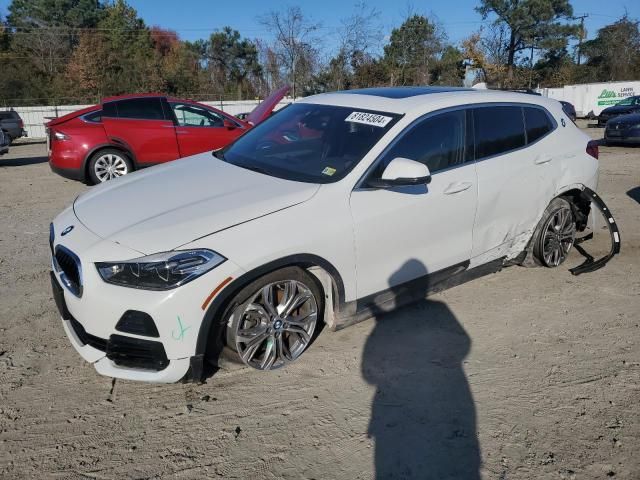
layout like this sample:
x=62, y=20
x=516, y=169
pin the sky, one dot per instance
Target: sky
x=194, y=19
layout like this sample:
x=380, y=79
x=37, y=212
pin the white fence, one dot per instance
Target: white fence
x=34, y=118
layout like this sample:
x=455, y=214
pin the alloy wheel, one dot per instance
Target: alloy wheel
x=276, y=324
x=109, y=166
x=559, y=235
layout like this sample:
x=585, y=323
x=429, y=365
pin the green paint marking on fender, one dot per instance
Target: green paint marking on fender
x=182, y=328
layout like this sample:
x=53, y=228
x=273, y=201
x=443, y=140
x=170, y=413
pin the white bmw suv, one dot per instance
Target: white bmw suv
x=337, y=207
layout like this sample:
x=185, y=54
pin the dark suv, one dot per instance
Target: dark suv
x=12, y=125
x=623, y=107
x=4, y=143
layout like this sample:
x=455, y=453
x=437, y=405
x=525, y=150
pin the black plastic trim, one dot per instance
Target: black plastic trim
x=137, y=323
x=132, y=352
x=590, y=265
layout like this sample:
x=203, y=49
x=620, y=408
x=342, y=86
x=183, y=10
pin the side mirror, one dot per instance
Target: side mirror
x=228, y=124
x=402, y=172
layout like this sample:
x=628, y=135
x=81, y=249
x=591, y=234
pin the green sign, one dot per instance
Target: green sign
x=607, y=94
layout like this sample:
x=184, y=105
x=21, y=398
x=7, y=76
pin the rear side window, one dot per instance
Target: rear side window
x=437, y=141
x=109, y=109
x=139, y=108
x=498, y=130
x=537, y=122
x=93, y=117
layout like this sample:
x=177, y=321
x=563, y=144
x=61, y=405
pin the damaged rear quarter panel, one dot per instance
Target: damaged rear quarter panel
x=514, y=190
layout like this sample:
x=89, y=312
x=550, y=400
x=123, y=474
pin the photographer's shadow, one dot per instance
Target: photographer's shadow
x=423, y=417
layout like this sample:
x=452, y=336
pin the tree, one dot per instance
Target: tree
x=59, y=13
x=233, y=63
x=615, y=52
x=296, y=44
x=450, y=68
x=530, y=24
x=413, y=51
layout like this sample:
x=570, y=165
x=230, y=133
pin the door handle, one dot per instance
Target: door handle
x=457, y=187
x=542, y=158
x=182, y=132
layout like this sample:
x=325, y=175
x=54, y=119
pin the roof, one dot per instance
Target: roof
x=403, y=100
x=131, y=95
x=402, y=92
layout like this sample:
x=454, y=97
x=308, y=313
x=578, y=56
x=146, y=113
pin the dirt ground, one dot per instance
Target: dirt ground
x=525, y=374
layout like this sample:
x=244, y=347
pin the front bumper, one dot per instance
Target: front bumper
x=92, y=315
x=99, y=351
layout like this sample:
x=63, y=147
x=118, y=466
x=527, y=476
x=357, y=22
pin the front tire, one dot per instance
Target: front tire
x=273, y=320
x=555, y=234
x=108, y=164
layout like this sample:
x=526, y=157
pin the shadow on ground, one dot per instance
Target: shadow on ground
x=423, y=416
x=22, y=162
x=31, y=141
x=634, y=193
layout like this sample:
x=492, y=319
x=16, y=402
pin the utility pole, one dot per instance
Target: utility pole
x=531, y=64
x=581, y=18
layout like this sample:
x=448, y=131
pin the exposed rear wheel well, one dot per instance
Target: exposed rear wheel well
x=581, y=207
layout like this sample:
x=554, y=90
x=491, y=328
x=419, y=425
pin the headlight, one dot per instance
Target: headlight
x=160, y=271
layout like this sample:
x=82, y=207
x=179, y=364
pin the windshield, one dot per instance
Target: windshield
x=629, y=101
x=309, y=143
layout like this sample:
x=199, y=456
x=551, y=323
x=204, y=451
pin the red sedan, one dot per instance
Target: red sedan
x=129, y=132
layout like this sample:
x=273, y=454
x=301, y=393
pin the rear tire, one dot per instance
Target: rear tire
x=273, y=320
x=555, y=234
x=108, y=164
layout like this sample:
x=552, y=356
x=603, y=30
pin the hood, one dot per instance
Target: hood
x=619, y=109
x=264, y=108
x=69, y=116
x=166, y=206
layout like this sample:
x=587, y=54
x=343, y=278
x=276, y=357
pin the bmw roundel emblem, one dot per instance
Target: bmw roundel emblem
x=67, y=230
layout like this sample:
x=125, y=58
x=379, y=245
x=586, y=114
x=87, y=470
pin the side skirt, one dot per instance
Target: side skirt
x=414, y=290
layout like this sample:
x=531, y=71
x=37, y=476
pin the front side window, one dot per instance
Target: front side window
x=437, y=141
x=537, y=122
x=309, y=143
x=193, y=116
x=498, y=129
x=138, y=108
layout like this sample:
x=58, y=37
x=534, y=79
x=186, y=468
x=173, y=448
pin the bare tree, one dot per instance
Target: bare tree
x=296, y=43
x=361, y=32
x=47, y=47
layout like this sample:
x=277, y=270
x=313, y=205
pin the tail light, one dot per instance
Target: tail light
x=20, y=123
x=592, y=149
x=61, y=136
